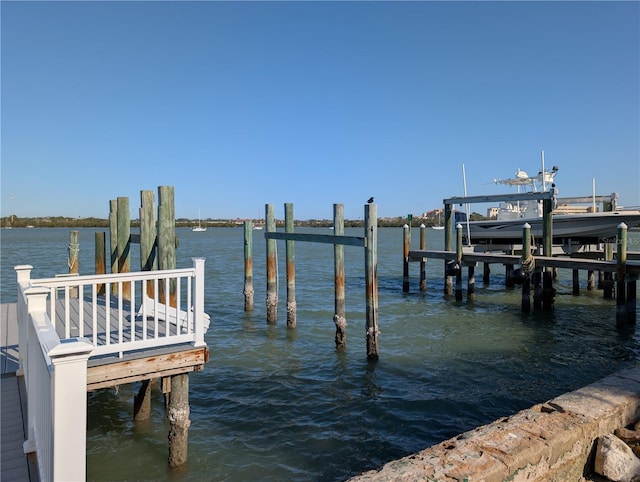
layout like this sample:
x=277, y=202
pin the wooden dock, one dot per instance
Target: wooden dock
x=15, y=464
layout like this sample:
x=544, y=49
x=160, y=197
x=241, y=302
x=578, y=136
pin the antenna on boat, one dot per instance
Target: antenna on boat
x=464, y=182
x=544, y=181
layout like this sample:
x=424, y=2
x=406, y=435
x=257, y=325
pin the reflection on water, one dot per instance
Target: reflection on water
x=279, y=404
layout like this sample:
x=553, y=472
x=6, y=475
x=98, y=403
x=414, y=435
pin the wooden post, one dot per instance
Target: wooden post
x=631, y=298
x=607, y=283
x=100, y=258
x=423, y=262
x=459, y=262
x=448, y=246
x=537, y=289
x=178, y=415
x=148, y=235
x=621, y=268
x=486, y=273
x=576, y=282
x=590, y=280
x=339, y=317
x=291, y=267
x=471, y=283
x=124, y=243
x=371, y=278
x=406, y=242
x=525, y=266
x=547, y=235
x=113, y=241
x=167, y=241
x=248, y=266
x=142, y=402
x=272, y=286
x=508, y=276
x=73, y=259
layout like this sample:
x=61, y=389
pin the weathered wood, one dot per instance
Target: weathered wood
x=291, y=267
x=448, y=246
x=124, y=243
x=632, y=281
x=471, y=283
x=590, y=280
x=167, y=241
x=248, y=266
x=142, y=402
x=339, y=317
x=607, y=283
x=145, y=368
x=406, y=242
x=423, y=261
x=100, y=258
x=459, y=262
x=575, y=282
x=74, y=261
x=272, y=285
x=494, y=198
x=113, y=238
x=525, y=266
x=178, y=416
x=316, y=238
x=148, y=234
x=621, y=261
x=371, y=279
x=486, y=273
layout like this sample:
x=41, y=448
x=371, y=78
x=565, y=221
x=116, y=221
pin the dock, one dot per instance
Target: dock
x=62, y=340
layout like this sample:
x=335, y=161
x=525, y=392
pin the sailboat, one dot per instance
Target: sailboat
x=199, y=226
x=439, y=226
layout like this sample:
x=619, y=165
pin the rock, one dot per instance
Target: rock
x=628, y=436
x=615, y=460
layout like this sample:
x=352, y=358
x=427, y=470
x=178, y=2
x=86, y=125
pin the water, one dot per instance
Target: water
x=278, y=404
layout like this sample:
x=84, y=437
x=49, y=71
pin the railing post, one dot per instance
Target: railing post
x=23, y=274
x=36, y=302
x=69, y=410
x=198, y=300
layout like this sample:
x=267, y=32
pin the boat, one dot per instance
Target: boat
x=439, y=226
x=573, y=226
x=199, y=227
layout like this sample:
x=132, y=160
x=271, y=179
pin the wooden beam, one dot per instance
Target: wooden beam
x=318, y=238
x=129, y=371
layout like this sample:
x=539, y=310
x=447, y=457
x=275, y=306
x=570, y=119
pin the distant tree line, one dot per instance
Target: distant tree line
x=68, y=222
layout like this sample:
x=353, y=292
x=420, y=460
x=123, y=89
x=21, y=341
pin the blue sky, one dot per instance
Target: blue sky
x=239, y=104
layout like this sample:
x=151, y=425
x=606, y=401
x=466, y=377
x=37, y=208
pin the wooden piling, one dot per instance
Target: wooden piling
x=575, y=278
x=631, y=298
x=471, y=283
x=248, y=266
x=100, y=259
x=73, y=259
x=148, y=235
x=167, y=241
x=621, y=292
x=272, y=286
x=339, y=316
x=291, y=267
x=548, y=292
x=486, y=273
x=371, y=278
x=590, y=280
x=142, y=402
x=113, y=236
x=406, y=242
x=178, y=415
x=459, y=262
x=526, y=266
x=423, y=261
x=448, y=246
x=124, y=243
x=608, y=283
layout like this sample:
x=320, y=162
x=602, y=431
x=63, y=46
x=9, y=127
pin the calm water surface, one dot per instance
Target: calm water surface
x=279, y=404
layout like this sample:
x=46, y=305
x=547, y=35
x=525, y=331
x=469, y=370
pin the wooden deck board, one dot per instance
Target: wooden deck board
x=15, y=466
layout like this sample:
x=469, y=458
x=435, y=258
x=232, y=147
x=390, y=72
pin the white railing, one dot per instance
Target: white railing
x=64, y=321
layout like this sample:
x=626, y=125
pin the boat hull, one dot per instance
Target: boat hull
x=588, y=228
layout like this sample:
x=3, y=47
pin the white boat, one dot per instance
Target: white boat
x=439, y=226
x=199, y=227
x=572, y=227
